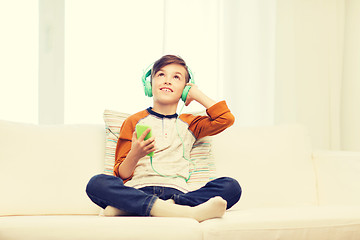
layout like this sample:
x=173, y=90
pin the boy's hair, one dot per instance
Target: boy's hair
x=166, y=60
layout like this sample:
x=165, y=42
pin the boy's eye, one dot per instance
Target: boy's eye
x=177, y=77
x=161, y=74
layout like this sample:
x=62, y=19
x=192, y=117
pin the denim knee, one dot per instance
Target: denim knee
x=231, y=188
x=97, y=183
x=232, y=185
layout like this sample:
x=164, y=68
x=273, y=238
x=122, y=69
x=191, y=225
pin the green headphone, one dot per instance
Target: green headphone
x=148, y=89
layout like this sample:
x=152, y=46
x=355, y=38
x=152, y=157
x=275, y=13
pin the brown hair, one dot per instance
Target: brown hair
x=166, y=60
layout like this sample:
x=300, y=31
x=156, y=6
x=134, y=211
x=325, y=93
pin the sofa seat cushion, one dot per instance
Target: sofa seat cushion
x=95, y=227
x=330, y=223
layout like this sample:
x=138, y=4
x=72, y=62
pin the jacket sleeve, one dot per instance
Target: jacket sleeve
x=219, y=118
x=123, y=145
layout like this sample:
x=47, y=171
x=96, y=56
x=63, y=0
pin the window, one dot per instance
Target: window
x=19, y=60
x=106, y=51
x=114, y=41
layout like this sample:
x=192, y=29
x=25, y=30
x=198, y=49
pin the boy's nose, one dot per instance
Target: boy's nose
x=168, y=80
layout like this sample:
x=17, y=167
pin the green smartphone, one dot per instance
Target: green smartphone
x=139, y=130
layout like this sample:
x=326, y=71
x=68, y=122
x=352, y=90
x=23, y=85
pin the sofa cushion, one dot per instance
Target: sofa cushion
x=94, y=227
x=45, y=169
x=272, y=164
x=297, y=223
x=113, y=121
x=202, y=170
x=338, y=177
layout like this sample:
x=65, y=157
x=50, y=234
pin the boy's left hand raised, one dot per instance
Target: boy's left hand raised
x=197, y=95
x=191, y=94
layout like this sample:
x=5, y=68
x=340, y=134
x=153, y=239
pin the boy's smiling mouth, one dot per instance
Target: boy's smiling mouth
x=166, y=89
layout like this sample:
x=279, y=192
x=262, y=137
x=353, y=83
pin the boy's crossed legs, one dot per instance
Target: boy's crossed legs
x=210, y=201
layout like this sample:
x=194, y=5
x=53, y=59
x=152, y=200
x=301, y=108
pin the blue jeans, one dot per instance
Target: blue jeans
x=105, y=190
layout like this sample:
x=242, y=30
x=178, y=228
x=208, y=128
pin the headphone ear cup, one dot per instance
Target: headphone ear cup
x=147, y=83
x=148, y=89
x=185, y=93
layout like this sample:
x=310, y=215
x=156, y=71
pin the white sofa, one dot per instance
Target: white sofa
x=289, y=191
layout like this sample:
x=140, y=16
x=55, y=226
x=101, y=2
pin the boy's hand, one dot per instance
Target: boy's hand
x=141, y=148
x=197, y=95
x=194, y=91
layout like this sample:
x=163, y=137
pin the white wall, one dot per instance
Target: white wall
x=350, y=114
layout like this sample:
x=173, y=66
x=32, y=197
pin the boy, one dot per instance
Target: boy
x=158, y=186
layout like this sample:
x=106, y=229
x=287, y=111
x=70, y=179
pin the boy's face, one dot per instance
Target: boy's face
x=168, y=84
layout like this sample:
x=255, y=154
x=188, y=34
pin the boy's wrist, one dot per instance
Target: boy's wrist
x=197, y=95
x=203, y=99
x=133, y=157
x=128, y=166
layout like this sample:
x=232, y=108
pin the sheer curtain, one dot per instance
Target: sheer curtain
x=309, y=67
x=274, y=61
x=350, y=110
x=247, y=59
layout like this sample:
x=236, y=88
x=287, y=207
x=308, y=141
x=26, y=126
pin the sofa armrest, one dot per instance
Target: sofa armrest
x=338, y=177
